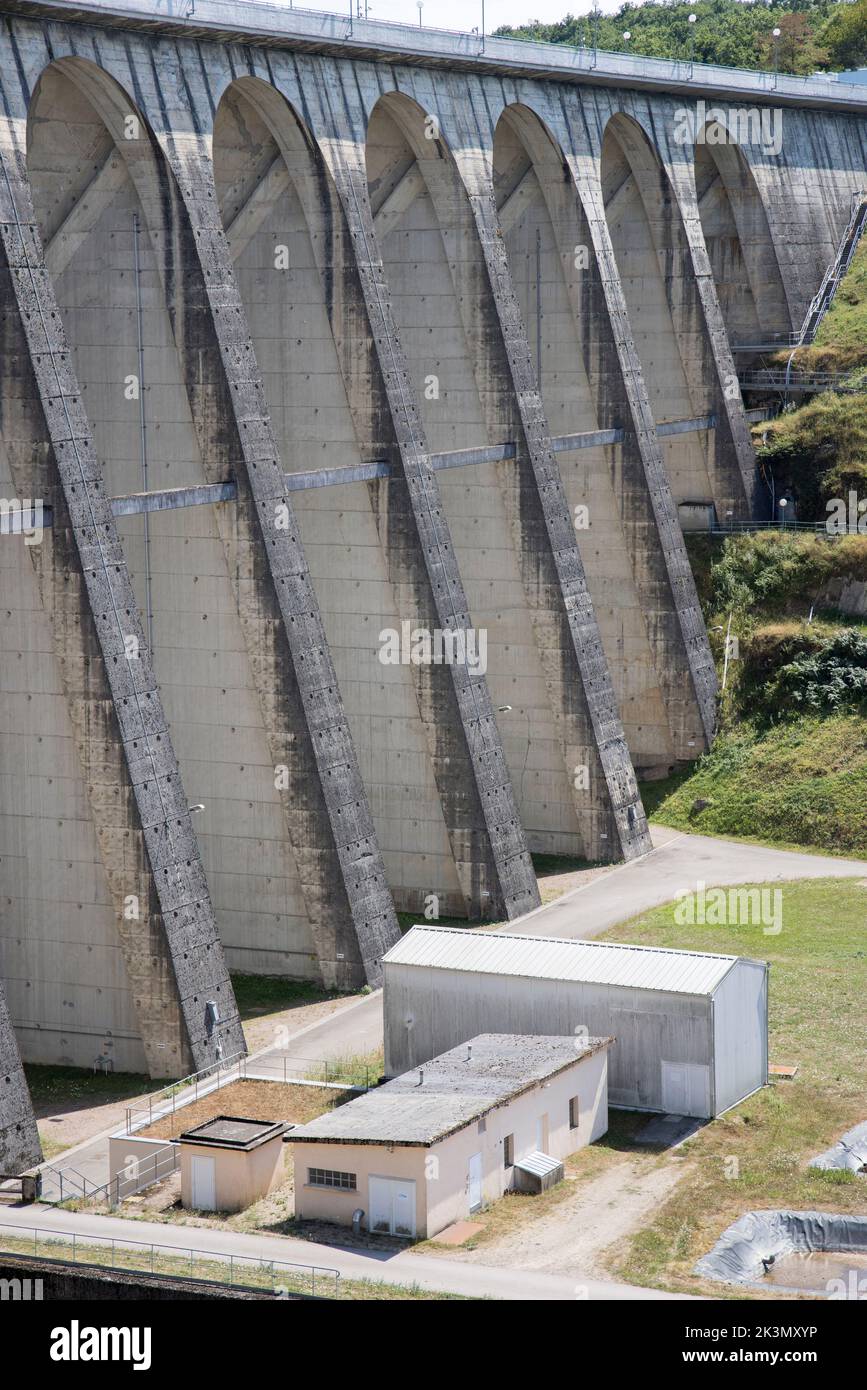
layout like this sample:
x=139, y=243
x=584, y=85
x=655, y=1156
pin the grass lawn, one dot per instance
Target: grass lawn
x=254, y=1100
x=755, y=1156
x=52, y=1087
x=270, y=994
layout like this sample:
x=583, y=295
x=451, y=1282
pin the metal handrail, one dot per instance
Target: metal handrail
x=299, y=1069
x=174, y=1088
x=163, y=1162
x=784, y=380
x=79, y=1242
x=824, y=296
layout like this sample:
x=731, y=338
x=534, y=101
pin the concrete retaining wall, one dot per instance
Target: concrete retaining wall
x=302, y=261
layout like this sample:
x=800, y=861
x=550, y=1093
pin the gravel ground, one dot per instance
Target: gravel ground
x=580, y=1235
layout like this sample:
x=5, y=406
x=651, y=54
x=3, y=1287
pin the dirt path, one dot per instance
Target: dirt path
x=573, y=1236
x=61, y=1129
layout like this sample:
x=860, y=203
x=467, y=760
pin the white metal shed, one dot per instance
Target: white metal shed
x=691, y=1027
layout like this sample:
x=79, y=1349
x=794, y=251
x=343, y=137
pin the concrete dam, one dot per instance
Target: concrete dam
x=357, y=386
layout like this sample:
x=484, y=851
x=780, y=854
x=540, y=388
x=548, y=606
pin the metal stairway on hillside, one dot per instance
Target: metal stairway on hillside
x=824, y=296
x=836, y=270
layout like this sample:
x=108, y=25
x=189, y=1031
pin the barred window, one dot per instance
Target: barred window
x=327, y=1177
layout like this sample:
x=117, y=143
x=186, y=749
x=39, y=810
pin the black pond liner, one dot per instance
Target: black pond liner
x=770, y=1235
x=850, y=1152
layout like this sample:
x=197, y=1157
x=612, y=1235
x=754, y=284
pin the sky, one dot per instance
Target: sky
x=465, y=14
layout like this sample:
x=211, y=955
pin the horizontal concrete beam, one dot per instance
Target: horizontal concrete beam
x=562, y=442
x=330, y=477
x=702, y=422
x=137, y=502
x=16, y=521
x=225, y=21
x=461, y=458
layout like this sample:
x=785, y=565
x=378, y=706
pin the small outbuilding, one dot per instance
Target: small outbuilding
x=227, y=1163
x=433, y=1146
x=691, y=1026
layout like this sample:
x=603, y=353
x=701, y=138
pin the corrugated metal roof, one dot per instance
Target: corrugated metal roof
x=538, y=1164
x=548, y=958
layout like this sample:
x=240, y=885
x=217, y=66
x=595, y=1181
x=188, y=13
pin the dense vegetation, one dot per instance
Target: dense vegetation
x=819, y=451
x=790, y=762
x=815, y=34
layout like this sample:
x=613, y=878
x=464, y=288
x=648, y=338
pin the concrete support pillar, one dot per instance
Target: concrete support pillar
x=645, y=486
x=19, y=1138
x=663, y=575
x=165, y=920
x=330, y=824
x=618, y=814
x=495, y=843
x=493, y=814
x=736, y=460
x=438, y=704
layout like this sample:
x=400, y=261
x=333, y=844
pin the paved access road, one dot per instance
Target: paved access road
x=381, y=1266
x=677, y=860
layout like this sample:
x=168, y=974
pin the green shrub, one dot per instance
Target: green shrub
x=767, y=574
x=826, y=681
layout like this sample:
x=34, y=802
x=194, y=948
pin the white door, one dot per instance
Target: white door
x=474, y=1182
x=203, y=1181
x=685, y=1089
x=542, y=1134
x=392, y=1206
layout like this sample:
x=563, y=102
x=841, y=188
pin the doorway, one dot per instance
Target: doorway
x=392, y=1206
x=474, y=1182
x=203, y=1183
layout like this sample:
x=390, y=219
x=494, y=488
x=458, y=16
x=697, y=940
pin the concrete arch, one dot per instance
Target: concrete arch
x=126, y=830
x=480, y=807
x=667, y=317
x=734, y=221
x=633, y=552
x=287, y=904
x=311, y=334
x=420, y=754
x=178, y=561
x=464, y=376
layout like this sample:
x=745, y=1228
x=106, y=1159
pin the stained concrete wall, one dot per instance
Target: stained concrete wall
x=200, y=657
x=307, y=382
x=407, y=257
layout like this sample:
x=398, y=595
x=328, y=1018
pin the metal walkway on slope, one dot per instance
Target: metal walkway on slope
x=824, y=296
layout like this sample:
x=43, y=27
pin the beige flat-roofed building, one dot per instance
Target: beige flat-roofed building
x=228, y=1163
x=437, y=1144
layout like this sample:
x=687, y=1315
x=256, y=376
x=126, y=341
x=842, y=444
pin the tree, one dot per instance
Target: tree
x=845, y=36
x=797, y=50
x=731, y=33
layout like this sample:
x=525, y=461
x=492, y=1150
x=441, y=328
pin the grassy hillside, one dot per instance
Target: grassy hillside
x=799, y=783
x=789, y=765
